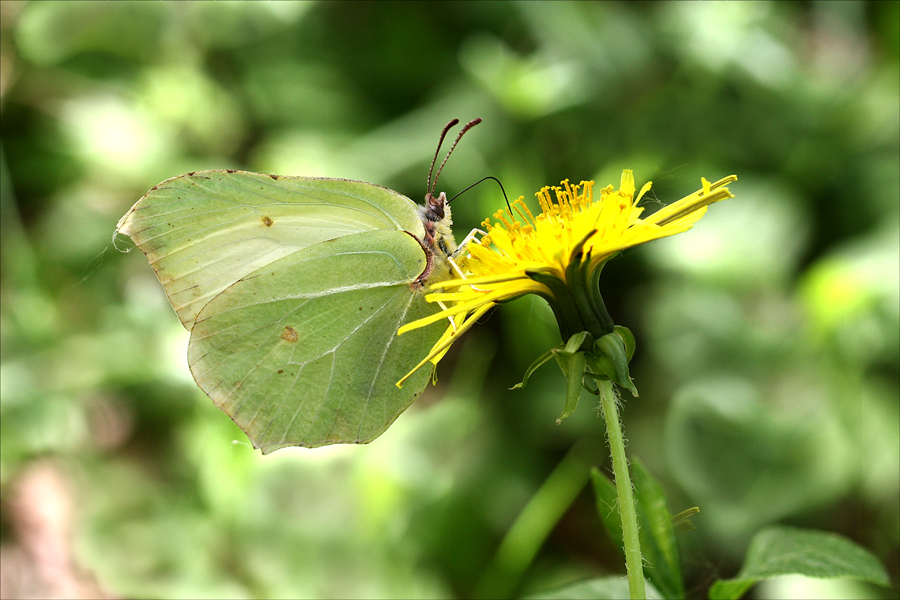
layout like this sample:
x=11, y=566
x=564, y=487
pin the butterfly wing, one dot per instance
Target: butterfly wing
x=304, y=351
x=204, y=231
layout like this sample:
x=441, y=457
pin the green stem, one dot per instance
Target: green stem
x=623, y=488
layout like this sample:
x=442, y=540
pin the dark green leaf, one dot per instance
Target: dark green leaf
x=657, y=533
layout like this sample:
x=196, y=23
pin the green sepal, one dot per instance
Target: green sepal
x=627, y=339
x=572, y=365
x=610, y=358
x=571, y=359
x=581, y=341
x=546, y=356
x=578, y=342
x=590, y=384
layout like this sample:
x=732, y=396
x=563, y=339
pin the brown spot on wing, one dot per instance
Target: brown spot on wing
x=289, y=334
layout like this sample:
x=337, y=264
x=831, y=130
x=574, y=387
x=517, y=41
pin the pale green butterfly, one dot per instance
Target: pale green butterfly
x=293, y=289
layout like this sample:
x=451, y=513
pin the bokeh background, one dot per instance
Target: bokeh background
x=767, y=336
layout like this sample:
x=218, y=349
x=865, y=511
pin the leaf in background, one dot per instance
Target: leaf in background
x=745, y=461
x=778, y=551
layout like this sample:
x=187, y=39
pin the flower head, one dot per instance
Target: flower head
x=557, y=254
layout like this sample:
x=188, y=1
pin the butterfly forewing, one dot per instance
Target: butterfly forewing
x=204, y=231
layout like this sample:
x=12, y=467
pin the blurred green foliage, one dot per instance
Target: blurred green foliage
x=767, y=356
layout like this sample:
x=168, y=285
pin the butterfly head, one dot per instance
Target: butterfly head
x=435, y=213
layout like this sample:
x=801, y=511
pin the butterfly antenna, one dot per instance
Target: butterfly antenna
x=480, y=181
x=462, y=132
x=428, y=187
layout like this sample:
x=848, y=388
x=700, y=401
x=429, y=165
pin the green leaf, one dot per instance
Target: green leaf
x=529, y=531
x=659, y=547
x=750, y=464
x=571, y=360
x=778, y=551
x=657, y=533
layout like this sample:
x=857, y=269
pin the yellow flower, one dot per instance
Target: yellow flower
x=557, y=254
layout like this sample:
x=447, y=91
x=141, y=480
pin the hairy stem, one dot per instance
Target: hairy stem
x=623, y=489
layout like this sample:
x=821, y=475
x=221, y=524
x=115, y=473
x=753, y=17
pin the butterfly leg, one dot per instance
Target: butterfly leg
x=460, y=249
x=468, y=239
x=471, y=236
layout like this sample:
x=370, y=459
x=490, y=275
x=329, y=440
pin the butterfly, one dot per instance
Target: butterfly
x=293, y=289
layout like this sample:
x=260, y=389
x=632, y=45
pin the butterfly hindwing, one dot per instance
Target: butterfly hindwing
x=304, y=351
